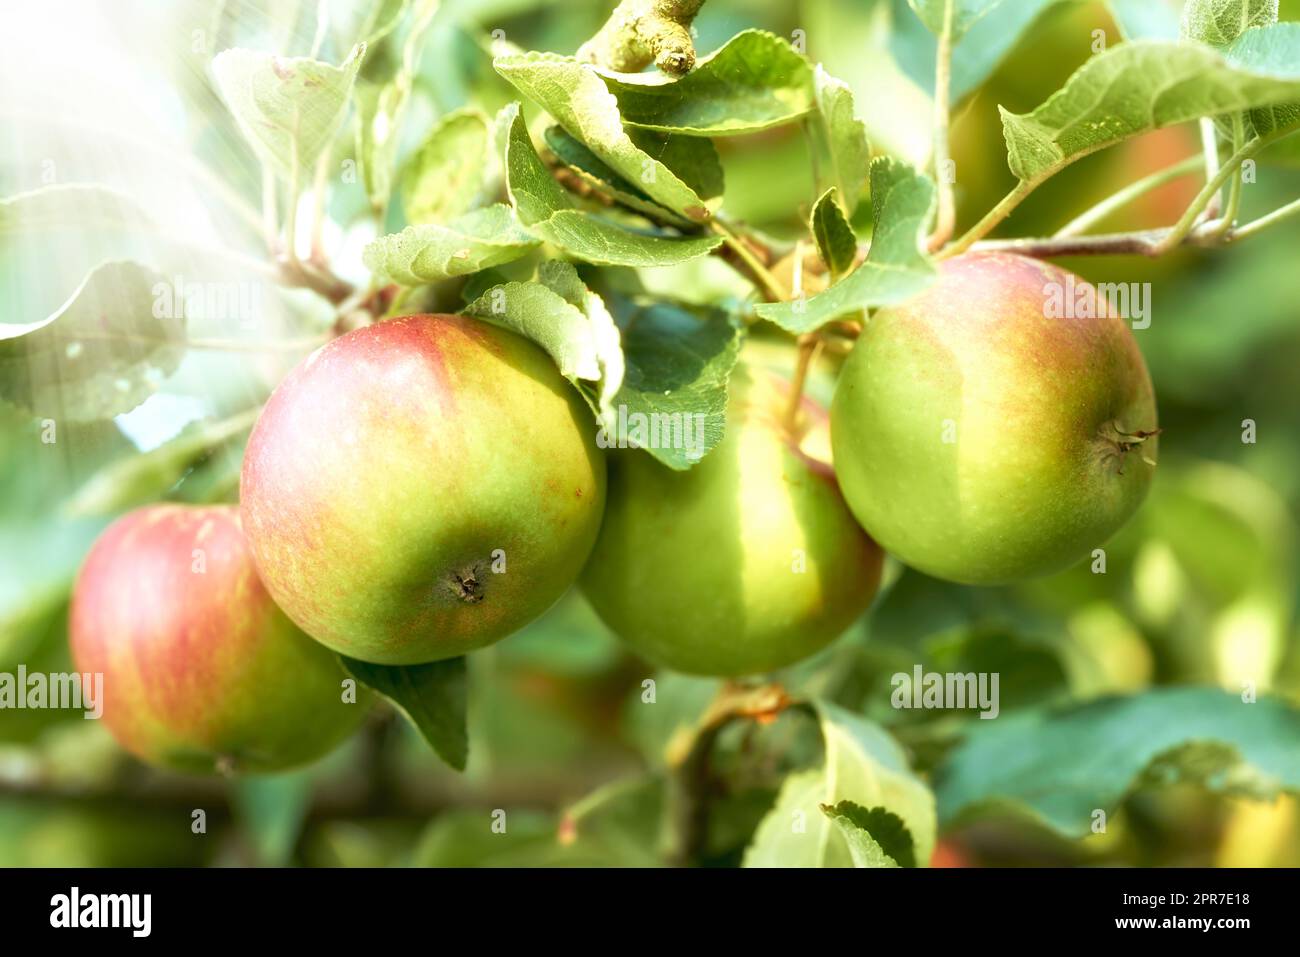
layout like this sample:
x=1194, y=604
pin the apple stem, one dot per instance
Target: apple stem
x=809, y=346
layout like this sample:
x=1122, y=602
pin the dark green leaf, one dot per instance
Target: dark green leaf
x=833, y=234
x=895, y=269
x=1062, y=764
x=1144, y=85
x=576, y=96
x=433, y=697
x=546, y=211
x=755, y=81
x=877, y=837
x=428, y=252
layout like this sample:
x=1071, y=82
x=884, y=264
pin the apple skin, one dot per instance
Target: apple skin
x=420, y=488
x=695, y=569
x=1035, y=473
x=202, y=672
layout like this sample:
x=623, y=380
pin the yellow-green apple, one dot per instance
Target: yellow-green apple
x=201, y=671
x=995, y=427
x=420, y=488
x=745, y=563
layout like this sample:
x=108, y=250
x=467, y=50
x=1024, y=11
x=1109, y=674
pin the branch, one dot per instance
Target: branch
x=1151, y=242
x=641, y=32
x=1086, y=220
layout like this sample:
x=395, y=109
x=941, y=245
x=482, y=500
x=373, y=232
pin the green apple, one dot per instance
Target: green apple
x=420, y=488
x=983, y=433
x=200, y=670
x=745, y=563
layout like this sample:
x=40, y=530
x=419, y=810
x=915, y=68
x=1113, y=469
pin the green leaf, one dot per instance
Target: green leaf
x=677, y=363
x=433, y=697
x=1062, y=764
x=272, y=808
x=965, y=14
x=694, y=159
x=576, y=96
x=103, y=353
x=1220, y=22
x=845, y=135
x=547, y=212
x=1265, y=50
x=862, y=764
x=833, y=234
x=139, y=479
x=364, y=21
x=447, y=175
x=876, y=837
x=287, y=108
x=79, y=205
x=1146, y=19
x=1144, y=85
x=597, y=174
x=754, y=81
x=547, y=318
x=976, y=54
x=568, y=320
x=895, y=269
x=428, y=252
x=381, y=108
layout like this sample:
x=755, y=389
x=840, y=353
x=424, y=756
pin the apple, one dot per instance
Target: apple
x=201, y=671
x=745, y=563
x=982, y=436
x=420, y=488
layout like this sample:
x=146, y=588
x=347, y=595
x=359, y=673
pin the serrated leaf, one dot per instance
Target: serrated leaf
x=596, y=173
x=895, y=269
x=876, y=837
x=101, y=354
x=68, y=205
x=288, y=108
x=429, y=252
x=677, y=363
x=1144, y=85
x=539, y=313
x=446, y=176
x=833, y=234
x=577, y=97
x=754, y=81
x=433, y=697
x=547, y=212
x=565, y=318
x=1062, y=764
x=694, y=159
x=862, y=764
x=965, y=14
x=1220, y=22
x=1266, y=49
x=845, y=135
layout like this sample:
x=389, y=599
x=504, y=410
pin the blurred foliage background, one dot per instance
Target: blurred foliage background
x=1199, y=589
